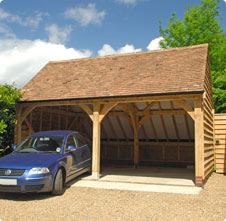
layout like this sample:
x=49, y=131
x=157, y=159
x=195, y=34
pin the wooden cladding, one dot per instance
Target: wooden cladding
x=179, y=153
x=220, y=142
x=208, y=125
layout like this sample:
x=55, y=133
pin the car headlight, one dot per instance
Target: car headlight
x=38, y=170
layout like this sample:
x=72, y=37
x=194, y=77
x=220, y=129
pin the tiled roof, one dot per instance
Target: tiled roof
x=179, y=70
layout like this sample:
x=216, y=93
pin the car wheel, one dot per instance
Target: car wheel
x=58, y=186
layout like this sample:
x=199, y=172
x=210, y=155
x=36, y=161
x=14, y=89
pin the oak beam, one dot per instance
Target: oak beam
x=29, y=126
x=18, y=125
x=199, y=143
x=25, y=111
x=106, y=108
x=183, y=104
x=87, y=109
x=139, y=99
x=96, y=142
x=132, y=110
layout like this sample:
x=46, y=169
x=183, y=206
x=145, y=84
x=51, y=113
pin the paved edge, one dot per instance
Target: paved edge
x=138, y=187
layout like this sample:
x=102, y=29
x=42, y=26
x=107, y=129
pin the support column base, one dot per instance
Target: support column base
x=199, y=181
x=95, y=175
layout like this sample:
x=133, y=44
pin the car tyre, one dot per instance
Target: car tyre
x=58, y=186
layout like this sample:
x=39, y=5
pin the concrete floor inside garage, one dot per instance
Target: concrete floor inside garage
x=143, y=179
x=148, y=175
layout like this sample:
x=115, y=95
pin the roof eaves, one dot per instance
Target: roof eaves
x=198, y=92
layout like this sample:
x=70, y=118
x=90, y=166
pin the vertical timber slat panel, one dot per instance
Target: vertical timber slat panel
x=220, y=139
x=208, y=123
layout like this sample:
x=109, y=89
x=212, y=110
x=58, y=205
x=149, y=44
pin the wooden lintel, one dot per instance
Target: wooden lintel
x=138, y=99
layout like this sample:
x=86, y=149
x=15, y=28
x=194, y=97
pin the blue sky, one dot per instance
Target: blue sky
x=78, y=28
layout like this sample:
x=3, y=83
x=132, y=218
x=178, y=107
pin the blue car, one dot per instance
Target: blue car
x=45, y=162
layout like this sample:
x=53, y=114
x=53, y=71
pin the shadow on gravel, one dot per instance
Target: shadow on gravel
x=25, y=196
x=36, y=196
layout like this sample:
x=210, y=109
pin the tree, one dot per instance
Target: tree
x=201, y=25
x=9, y=96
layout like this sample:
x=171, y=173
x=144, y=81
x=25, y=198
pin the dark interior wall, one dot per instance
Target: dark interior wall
x=163, y=139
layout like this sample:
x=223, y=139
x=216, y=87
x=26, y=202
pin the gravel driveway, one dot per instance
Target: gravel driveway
x=96, y=204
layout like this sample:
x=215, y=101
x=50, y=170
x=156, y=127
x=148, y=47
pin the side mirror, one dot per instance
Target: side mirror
x=14, y=146
x=70, y=148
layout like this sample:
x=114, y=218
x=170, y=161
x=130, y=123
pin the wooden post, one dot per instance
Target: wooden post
x=30, y=127
x=96, y=142
x=136, y=151
x=199, y=143
x=132, y=110
x=40, y=120
x=97, y=115
x=18, y=125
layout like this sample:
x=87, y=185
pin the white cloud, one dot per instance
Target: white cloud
x=108, y=50
x=1, y=1
x=129, y=2
x=85, y=15
x=6, y=31
x=154, y=44
x=22, y=59
x=31, y=21
x=34, y=20
x=225, y=1
x=7, y=16
x=57, y=34
x=128, y=49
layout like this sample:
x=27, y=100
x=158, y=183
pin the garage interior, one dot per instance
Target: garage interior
x=148, y=110
x=165, y=139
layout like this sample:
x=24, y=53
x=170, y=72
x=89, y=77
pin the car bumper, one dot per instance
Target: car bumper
x=28, y=184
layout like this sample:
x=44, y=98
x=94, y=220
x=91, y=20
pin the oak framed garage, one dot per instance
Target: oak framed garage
x=161, y=102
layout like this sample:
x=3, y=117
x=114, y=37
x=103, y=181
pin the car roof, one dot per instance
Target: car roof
x=54, y=133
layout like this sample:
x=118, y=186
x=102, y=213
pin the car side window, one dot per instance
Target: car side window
x=80, y=140
x=70, y=142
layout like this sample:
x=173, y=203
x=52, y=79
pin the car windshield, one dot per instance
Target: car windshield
x=41, y=144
